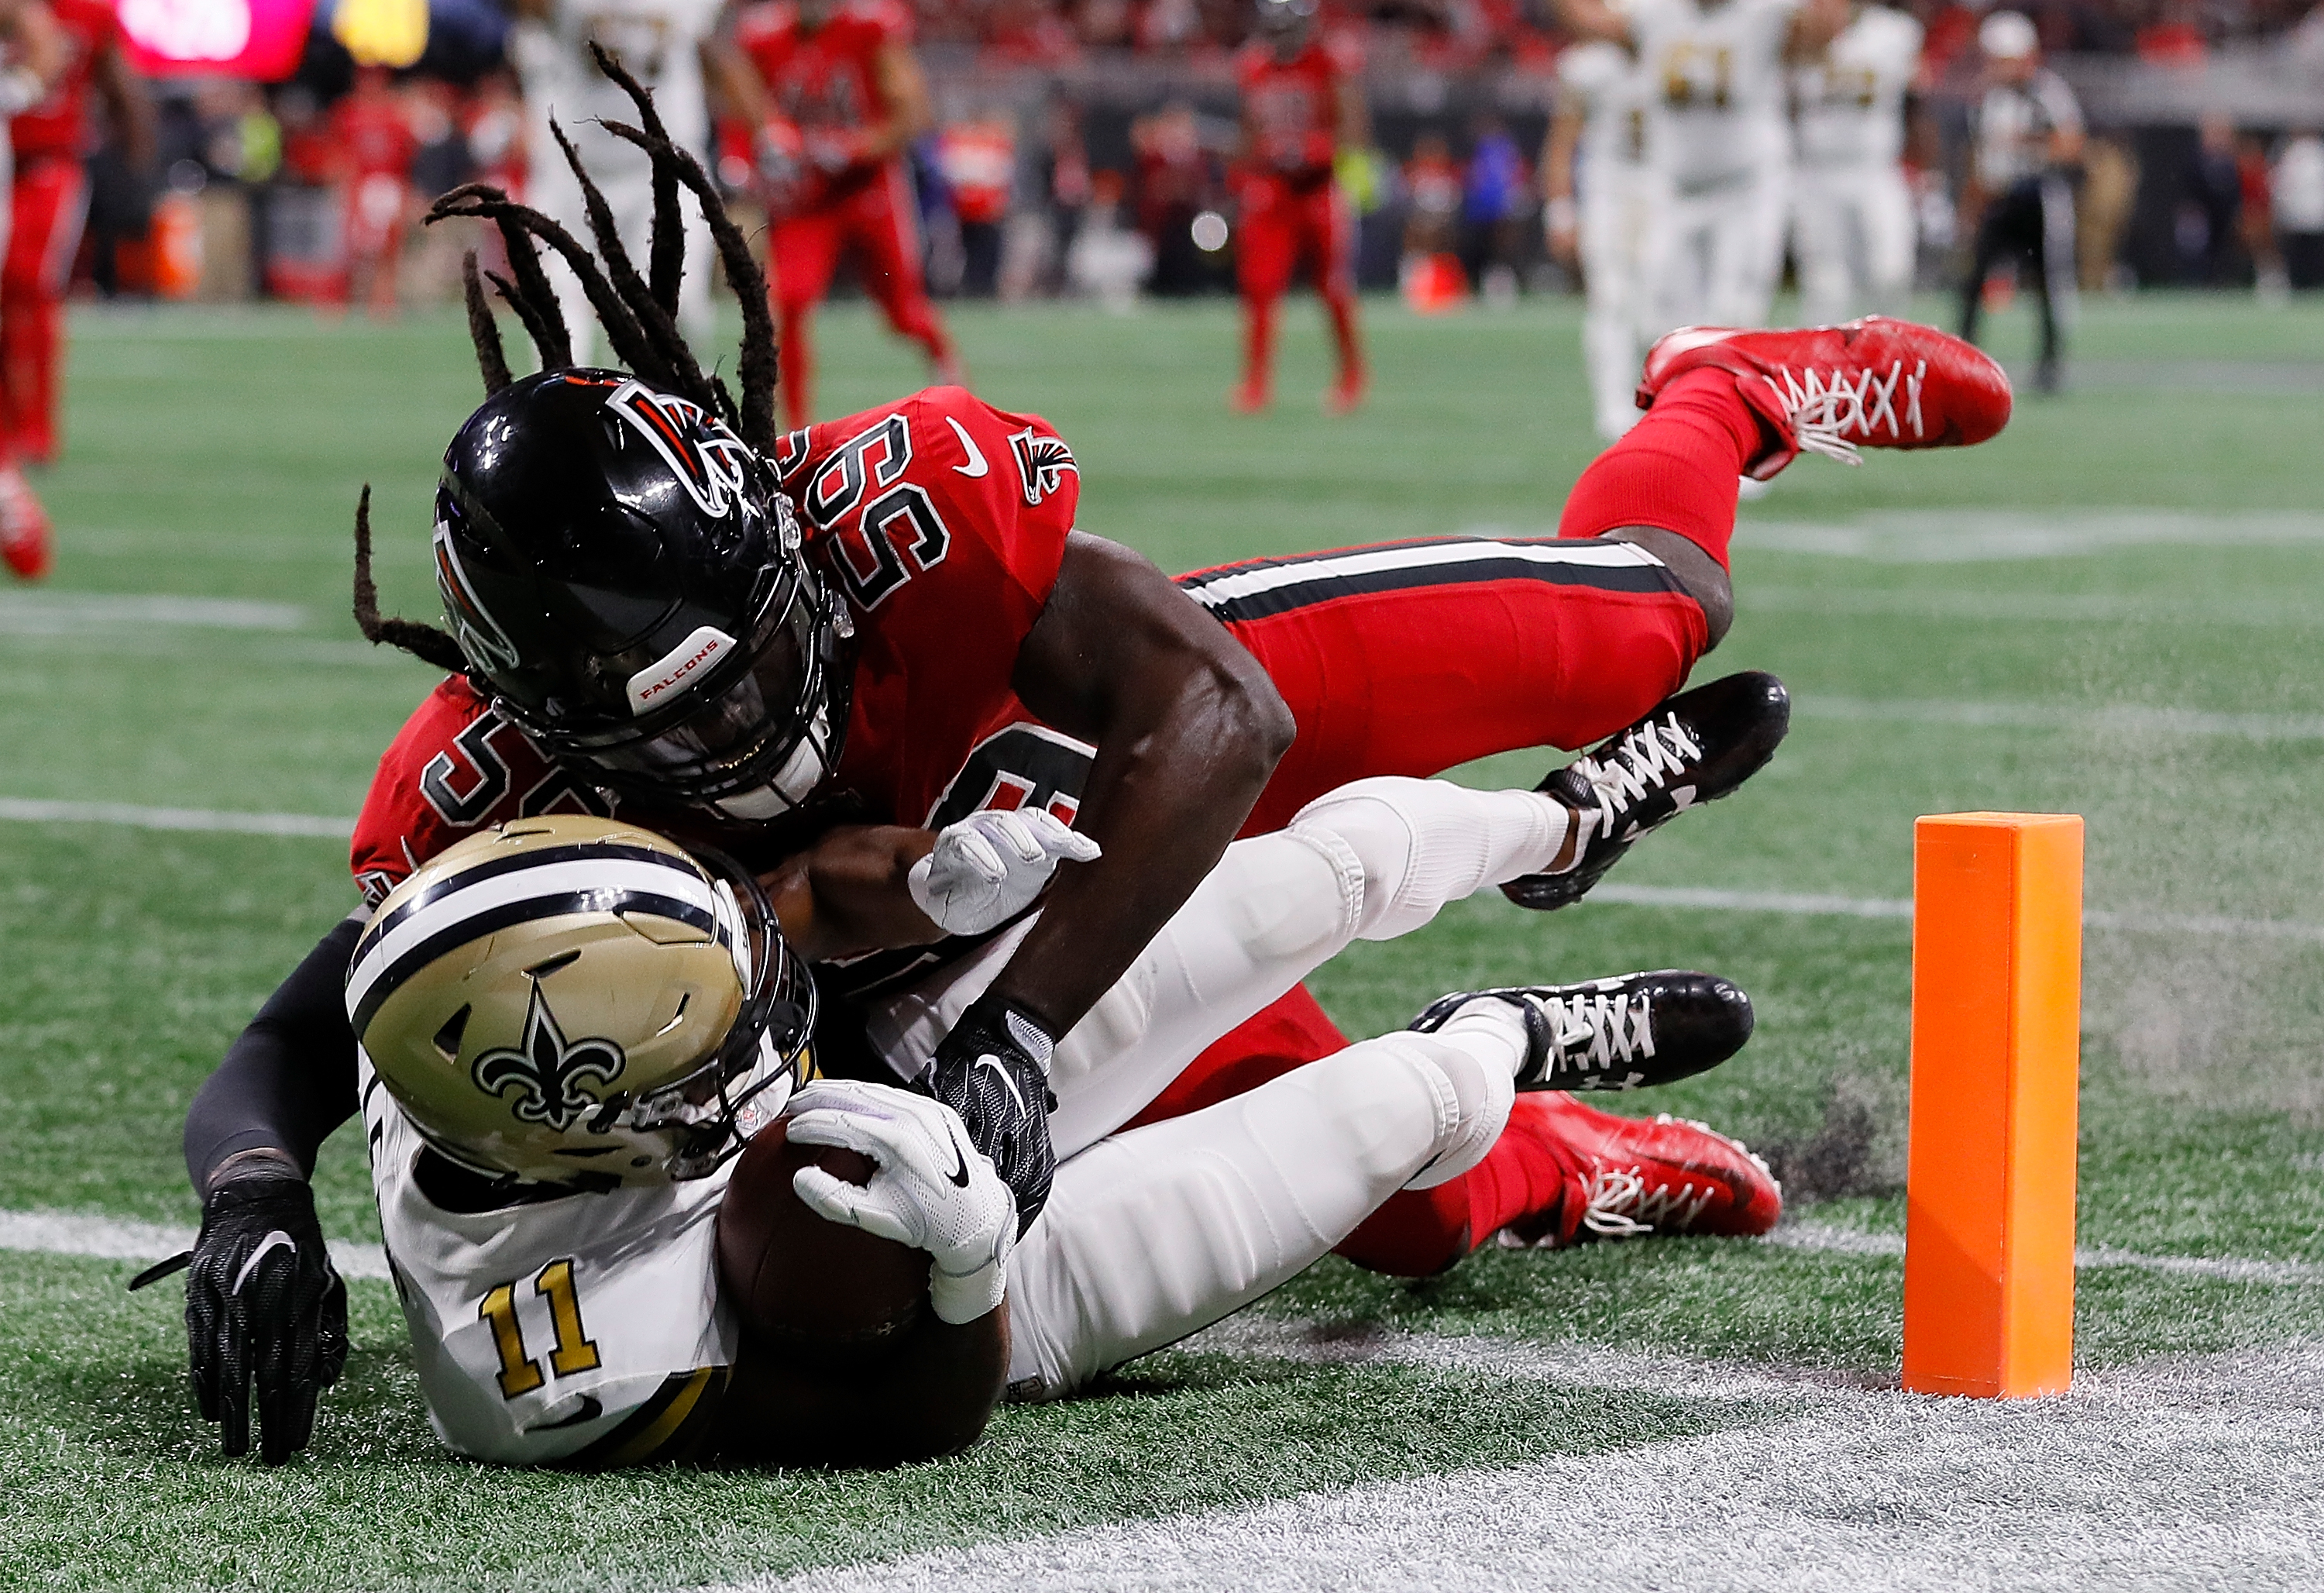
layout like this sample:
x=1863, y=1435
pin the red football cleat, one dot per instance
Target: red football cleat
x=1874, y=382
x=1250, y=398
x=1626, y=1177
x=23, y=525
x=1346, y=395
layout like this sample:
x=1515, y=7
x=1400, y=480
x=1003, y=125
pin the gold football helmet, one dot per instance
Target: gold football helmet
x=577, y=1001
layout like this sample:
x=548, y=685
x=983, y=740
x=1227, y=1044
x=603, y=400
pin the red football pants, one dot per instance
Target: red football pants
x=1282, y=227
x=1408, y=659
x=879, y=221
x=50, y=204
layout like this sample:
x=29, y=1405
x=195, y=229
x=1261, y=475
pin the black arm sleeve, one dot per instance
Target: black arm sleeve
x=289, y=1078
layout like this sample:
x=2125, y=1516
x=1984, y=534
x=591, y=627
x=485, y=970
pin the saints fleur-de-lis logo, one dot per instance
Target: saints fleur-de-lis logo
x=545, y=1067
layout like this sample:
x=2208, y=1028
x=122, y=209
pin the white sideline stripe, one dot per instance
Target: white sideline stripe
x=2018, y=608
x=2198, y=1472
x=78, y=1232
x=32, y=810
x=1939, y=536
x=2232, y=1269
x=1251, y=583
x=2124, y=719
x=1717, y=901
x=56, y=613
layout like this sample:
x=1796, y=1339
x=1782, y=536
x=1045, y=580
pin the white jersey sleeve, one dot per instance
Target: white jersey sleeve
x=1603, y=79
x=1851, y=104
x=584, y=1330
x=659, y=41
x=1715, y=86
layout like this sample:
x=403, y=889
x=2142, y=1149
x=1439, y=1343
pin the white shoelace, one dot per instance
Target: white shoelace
x=1621, y=1206
x=1597, y=1031
x=1826, y=408
x=1647, y=759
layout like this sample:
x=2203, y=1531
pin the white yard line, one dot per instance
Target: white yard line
x=1976, y=536
x=62, y=614
x=79, y=1233
x=35, y=811
x=2200, y=1473
x=2118, y=719
x=2021, y=607
x=1817, y=1236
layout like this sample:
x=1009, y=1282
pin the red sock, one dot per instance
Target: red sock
x=1258, y=343
x=1343, y=307
x=1421, y=1232
x=1675, y=470
x=798, y=366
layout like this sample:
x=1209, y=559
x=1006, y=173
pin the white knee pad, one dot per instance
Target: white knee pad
x=1476, y=1059
x=1418, y=844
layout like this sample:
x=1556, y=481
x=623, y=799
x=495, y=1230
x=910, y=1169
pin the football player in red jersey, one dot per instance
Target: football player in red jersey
x=846, y=97
x=373, y=147
x=937, y=633
x=1301, y=104
x=37, y=54
x=51, y=202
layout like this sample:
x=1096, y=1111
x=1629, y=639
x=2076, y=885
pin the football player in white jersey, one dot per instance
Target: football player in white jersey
x=669, y=46
x=1852, y=222
x=1716, y=134
x=577, y=1024
x=1601, y=200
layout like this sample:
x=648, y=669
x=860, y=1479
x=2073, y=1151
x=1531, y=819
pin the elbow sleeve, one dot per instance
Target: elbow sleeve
x=289, y=1079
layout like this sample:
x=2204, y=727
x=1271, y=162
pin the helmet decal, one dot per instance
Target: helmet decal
x=543, y=1068
x=708, y=461
x=473, y=626
x=681, y=667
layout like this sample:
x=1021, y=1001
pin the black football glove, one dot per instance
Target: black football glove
x=992, y=1069
x=263, y=1302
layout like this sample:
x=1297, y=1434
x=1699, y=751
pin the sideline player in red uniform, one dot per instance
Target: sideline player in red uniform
x=373, y=147
x=1301, y=104
x=50, y=204
x=988, y=654
x=846, y=99
x=37, y=56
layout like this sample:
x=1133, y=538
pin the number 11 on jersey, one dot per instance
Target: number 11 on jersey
x=573, y=1351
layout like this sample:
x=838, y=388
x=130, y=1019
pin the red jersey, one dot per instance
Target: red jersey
x=827, y=80
x=59, y=124
x=1292, y=107
x=940, y=522
x=372, y=137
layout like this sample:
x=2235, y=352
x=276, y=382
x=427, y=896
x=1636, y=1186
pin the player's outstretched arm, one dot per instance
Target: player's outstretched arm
x=1814, y=25
x=1594, y=19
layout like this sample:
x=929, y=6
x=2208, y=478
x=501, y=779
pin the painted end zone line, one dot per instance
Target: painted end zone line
x=76, y=1232
x=209, y=818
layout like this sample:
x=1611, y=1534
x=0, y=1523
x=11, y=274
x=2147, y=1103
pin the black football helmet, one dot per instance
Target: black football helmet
x=627, y=577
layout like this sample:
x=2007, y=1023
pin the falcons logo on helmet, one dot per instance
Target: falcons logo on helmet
x=1042, y=461
x=708, y=461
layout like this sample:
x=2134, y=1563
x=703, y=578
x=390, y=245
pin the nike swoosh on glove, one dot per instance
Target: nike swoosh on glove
x=991, y=865
x=931, y=1190
x=264, y=1306
x=993, y=1070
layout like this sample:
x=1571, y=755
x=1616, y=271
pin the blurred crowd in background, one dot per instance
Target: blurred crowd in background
x=1084, y=147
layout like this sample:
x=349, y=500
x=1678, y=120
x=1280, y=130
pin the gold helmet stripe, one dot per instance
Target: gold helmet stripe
x=665, y=889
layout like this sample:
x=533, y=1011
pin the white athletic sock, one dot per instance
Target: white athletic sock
x=1480, y=1050
x=1417, y=844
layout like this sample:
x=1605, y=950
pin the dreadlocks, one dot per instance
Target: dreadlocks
x=638, y=314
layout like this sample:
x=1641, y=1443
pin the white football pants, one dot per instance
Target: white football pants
x=1853, y=230
x=1157, y=1233
x=1719, y=252
x=1617, y=207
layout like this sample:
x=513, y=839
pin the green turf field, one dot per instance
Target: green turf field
x=2111, y=610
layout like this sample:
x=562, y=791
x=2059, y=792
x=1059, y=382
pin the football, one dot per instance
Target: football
x=797, y=1278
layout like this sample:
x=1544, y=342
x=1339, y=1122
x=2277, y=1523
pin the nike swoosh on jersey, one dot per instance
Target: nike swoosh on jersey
x=276, y=1239
x=976, y=465
x=1015, y=1094
x=591, y=1409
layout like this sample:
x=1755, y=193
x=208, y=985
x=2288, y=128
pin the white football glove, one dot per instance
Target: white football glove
x=990, y=866
x=933, y=1190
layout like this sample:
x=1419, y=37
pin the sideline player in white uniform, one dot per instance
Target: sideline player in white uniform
x=1601, y=197
x=1716, y=133
x=1852, y=222
x=588, y=1326
x=669, y=46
